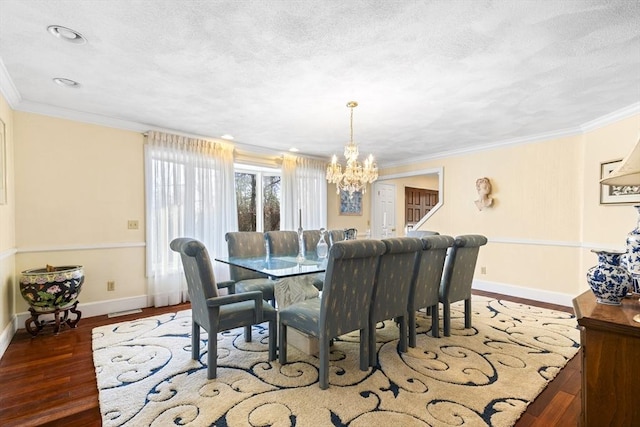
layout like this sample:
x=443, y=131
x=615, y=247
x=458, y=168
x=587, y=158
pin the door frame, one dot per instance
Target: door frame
x=428, y=171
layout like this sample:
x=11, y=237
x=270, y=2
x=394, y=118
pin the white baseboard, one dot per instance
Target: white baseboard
x=7, y=334
x=528, y=293
x=99, y=308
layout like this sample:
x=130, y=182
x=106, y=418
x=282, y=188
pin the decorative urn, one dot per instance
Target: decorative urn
x=609, y=280
x=52, y=288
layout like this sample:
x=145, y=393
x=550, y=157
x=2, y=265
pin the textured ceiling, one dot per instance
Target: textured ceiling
x=431, y=77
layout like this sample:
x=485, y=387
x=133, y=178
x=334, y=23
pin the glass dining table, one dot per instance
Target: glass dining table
x=279, y=267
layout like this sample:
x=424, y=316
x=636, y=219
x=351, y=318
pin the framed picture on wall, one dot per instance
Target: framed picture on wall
x=3, y=164
x=616, y=194
x=350, y=205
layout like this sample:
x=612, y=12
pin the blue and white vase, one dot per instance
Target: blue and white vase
x=609, y=280
x=633, y=249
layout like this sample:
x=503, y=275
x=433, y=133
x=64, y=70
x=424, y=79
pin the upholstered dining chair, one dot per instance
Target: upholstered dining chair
x=216, y=313
x=421, y=233
x=311, y=238
x=426, y=285
x=248, y=244
x=282, y=242
x=344, y=305
x=393, y=283
x=335, y=236
x=457, y=277
x=350, y=233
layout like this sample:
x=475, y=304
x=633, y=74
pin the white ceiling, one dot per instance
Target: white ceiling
x=431, y=77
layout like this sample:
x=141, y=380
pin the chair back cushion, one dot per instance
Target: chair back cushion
x=199, y=273
x=245, y=244
x=311, y=238
x=429, y=271
x=421, y=233
x=460, y=266
x=335, y=236
x=394, y=278
x=348, y=286
x=283, y=242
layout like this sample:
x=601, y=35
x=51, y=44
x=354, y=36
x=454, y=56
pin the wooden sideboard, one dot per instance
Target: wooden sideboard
x=610, y=342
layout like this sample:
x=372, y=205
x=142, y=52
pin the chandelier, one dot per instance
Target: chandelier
x=356, y=175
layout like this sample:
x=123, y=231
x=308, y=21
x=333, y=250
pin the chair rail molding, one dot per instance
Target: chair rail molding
x=82, y=247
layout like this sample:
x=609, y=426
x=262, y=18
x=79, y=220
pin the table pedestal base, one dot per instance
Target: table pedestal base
x=34, y=326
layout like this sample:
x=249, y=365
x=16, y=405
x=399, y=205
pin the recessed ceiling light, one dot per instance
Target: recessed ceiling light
x=66, y=34
x=293, y=149
x=66, y=82
x=227, y=136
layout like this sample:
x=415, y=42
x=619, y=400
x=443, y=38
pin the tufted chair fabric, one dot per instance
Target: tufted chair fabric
x=217, y=313
x=311, y=238
x=344, y=305
x=282, y=242
x=457, y=276
x=249, y=243
x=335, y=236
x=394, y=280
x=421, y=233
x=426, y=286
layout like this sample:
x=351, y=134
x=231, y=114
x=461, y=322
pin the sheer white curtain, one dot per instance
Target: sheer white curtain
x=190, y=192
x=304, y=192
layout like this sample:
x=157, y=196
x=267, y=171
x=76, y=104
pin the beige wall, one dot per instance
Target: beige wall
x=77, y=185
x=546, y=214
x=7, y=232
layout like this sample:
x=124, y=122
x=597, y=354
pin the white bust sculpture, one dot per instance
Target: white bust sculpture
x=483, y=185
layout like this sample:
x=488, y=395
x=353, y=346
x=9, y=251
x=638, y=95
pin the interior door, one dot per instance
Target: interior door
x=418, y=202
x=384, y=209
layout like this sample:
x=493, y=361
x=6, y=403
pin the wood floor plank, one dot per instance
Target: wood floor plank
x=50, y=380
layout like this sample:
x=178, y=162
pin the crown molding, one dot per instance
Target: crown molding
x=8, y=89
x=611, y=117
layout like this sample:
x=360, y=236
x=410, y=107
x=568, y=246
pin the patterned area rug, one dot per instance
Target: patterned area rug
x=483, y=376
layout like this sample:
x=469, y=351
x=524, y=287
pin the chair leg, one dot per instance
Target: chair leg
x=467, y=313
x=273, y=338
x=282, y=343
x=446, y=313
x=403, y=333
x=247, y=333
x=323, y=380
x=368, y=346
x=212, y=355
x=195, y=341
x=435, y=320
x=412, y=328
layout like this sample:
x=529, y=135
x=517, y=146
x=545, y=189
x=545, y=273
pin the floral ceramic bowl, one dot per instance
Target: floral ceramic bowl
x=48, y=289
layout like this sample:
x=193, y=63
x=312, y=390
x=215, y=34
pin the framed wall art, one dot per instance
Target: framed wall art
x=350, y=205
x=3, y=164
x=616, y=194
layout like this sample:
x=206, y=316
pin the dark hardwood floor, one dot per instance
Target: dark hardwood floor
x=50, y=380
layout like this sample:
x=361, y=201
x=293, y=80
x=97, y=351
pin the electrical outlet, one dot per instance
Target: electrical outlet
x=483, y=270
x=111, y=285
x=132, y=224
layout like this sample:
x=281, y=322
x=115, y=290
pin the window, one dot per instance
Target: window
x=258, y=192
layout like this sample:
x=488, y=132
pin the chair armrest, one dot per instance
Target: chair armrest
x=256, y=296
x=229, y=284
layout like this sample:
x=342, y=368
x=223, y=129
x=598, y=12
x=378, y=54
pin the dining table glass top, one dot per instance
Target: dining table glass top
x=278, y=267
